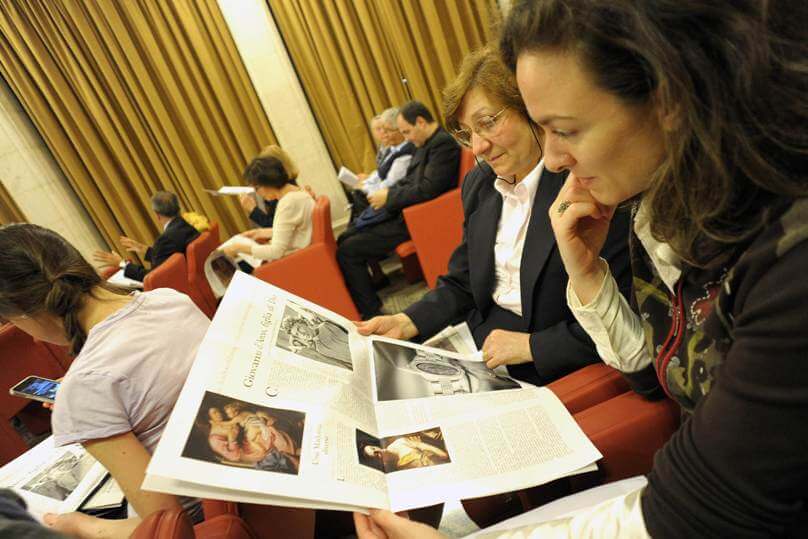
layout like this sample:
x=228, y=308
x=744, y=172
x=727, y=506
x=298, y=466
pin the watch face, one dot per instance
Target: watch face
x=440, y=369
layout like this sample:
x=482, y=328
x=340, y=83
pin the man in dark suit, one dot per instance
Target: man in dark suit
x=555, y=344
x=374, y=235
x=176, y=236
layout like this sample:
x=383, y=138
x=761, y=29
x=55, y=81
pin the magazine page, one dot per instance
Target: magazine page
x=242, y=241
x=457, y=426
x=219, y=271
x=454, y=339
x=562, y=508
x=231, y=190
x=347, y=177
x=51, y=479
x=119, y=279
x=270, y=407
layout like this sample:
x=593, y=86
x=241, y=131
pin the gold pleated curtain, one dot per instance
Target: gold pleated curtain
x=136, y=96
x=9, y=211
x=352, y=54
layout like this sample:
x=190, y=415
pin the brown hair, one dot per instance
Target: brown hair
x=733, y=75
x=484, y=69
x=40, y=272
x=280, y=154
x=266, y=171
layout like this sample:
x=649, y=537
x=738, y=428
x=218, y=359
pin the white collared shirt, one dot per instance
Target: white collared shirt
x=517, y=206
x=397, y=171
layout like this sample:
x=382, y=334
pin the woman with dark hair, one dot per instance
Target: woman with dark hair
x=122, y=385
x=291, y=225
x=696, y=114
x=506, y=277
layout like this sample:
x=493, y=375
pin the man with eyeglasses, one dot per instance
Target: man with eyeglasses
x=374, y=234
x=391, y=168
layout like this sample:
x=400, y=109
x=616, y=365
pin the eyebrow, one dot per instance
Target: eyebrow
x=479, y=113
x=551, y=118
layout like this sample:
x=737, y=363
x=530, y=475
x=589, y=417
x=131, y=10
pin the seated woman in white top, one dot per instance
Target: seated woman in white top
x=291, y=227
x=128, y=370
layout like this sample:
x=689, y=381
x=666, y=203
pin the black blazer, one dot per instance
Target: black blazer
x=176, y=237
x=558, y=343
x=264, y=219
x=432, y=171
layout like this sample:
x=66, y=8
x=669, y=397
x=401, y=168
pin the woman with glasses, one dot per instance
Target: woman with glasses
x=514, y=304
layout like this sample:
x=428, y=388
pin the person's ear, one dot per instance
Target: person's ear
x=668, y=113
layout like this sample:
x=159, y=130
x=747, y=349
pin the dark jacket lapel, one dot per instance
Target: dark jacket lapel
x=539, y=241
x=482, y=226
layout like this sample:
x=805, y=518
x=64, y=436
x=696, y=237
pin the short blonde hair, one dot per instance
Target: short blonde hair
x=273, y=150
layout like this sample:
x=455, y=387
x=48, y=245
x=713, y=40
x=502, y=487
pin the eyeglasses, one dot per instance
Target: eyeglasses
x=484, y=126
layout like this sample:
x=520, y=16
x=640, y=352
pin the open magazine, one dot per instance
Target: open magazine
x=286, y=404
x=55, y=480
x=347, y=177
x=454, y=339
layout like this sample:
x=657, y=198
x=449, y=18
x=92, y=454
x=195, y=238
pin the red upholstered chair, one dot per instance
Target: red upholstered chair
x=107, y=272
x=312, y=272
x=20, y=356
x=589, y=386
x=195, y=255
x=61, y=354
x=173, y=273
x=436, y=228
x=174, y=524
x=321, y=230
x=266, y=521
x=628, y=430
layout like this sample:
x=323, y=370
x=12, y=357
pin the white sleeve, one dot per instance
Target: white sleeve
x=618, y=517
x=614, y=327
x=371, y=183
x=288, y=218
x=397, y=171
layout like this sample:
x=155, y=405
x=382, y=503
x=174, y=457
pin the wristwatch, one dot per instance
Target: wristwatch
x=443, y=377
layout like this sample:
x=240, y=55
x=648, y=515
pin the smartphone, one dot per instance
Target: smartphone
x=36, y=388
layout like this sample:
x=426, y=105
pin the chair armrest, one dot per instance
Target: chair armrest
x=214, y=508
x=173, y=524
x=589, y=386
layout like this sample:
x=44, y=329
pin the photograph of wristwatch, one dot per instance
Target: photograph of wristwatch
x=444, y=378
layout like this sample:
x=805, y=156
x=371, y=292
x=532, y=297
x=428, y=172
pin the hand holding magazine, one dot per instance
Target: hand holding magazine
x=287, y=404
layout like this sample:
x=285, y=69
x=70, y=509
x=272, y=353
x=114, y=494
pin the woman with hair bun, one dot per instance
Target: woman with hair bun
x=116, y=396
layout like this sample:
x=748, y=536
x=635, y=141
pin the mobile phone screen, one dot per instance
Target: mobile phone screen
x=40, y=388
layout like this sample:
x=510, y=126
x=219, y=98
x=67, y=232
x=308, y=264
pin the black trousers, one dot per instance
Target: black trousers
x=359, y=202
x=356, y=249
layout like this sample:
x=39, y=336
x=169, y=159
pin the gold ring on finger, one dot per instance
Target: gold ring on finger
x=563, y=206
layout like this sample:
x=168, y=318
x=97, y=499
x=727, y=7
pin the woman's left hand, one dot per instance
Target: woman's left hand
x=247, y=202
x=506, y=348
x=386, y=525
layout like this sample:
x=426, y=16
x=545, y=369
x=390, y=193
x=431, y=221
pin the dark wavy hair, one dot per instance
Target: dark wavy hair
x=734, y=75
x=267, y=171
x=40, y=272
